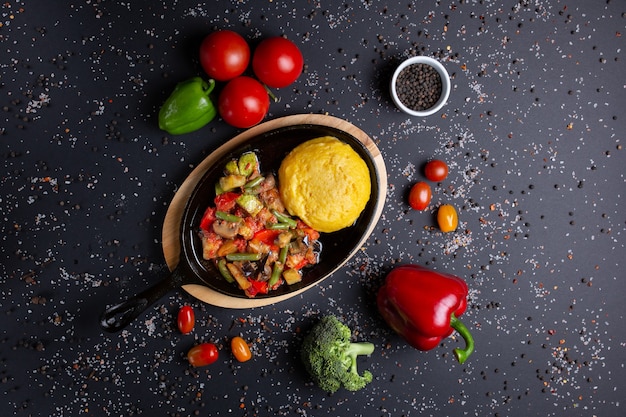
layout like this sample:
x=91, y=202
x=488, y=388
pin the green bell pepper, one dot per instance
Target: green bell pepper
x=188, y=108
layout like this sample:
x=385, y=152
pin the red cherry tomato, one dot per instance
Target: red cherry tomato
x=277, y=62
x=224, y=55
x=202, y=354
x=419, y=196
x=243, y=102
x=436, y=170
x=186, y=319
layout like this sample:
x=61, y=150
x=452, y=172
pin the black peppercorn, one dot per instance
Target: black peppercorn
x=419, y=86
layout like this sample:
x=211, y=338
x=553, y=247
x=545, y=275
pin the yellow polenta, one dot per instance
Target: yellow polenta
x=325, y=183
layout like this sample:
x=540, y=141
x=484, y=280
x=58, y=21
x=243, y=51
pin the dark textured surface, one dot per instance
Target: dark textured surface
x=533, y=133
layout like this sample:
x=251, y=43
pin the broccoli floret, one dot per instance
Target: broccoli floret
x=330, y=357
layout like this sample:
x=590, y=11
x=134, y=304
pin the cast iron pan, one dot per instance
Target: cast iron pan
x=192, y=270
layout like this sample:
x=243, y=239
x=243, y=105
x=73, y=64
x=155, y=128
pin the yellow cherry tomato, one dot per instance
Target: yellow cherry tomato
x=447, y=218
x=240, y=349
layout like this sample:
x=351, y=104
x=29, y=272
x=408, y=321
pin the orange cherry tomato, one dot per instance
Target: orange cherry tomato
x=186, y=319
x=202, y=354
x=419, y=196
x=447, y=218
x=240, y=349
x=436, y=170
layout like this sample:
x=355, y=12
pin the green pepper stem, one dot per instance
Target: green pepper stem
x=462, y=354
x=208, y=86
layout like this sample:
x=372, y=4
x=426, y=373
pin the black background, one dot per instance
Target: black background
x=533, y=134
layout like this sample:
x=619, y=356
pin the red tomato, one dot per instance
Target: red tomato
x=243, y=102
x=186, y=319
x=202, y=354
x=224, y=55
x=419, y=196
x=277, y=62
x=226, y=201
x=436, y=170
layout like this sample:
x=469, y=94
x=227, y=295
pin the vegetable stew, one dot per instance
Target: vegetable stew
x=255, y=244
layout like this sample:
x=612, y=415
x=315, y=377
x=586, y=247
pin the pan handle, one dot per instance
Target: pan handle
x=118, y=316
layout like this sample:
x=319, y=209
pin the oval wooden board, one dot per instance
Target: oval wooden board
x=171, y=224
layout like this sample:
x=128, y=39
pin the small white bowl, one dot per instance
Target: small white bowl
x=445, y=86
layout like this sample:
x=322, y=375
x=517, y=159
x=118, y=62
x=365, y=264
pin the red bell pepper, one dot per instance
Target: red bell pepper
x=267, y=236
x=423, y=306
x=207, y=219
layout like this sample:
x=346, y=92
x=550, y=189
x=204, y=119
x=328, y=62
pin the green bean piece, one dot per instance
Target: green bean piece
x=283, y=218
x=278, y=226
x=222, y=215
x=249, y=256
x=253, y=183
x=221, y=266
x=276, y=271
x=278, y=266
x=282, y=255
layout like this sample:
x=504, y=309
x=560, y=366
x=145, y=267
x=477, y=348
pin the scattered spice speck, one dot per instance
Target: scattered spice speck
x=531, y=136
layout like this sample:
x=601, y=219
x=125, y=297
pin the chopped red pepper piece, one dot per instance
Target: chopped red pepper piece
x=207, y=219
x=304, y=262
x=257, y=287
x=423, y=305
x=308, y=230
x=268, y=237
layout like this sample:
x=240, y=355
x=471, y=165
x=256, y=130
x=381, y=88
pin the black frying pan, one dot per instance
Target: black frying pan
x=271, y=147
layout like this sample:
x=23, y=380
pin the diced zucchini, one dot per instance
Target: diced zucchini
x=245, y=231
x=292, y=276
x=232, y=167
x=218, y=189
x=250, y=203
x=248, y=163
x=232, y=181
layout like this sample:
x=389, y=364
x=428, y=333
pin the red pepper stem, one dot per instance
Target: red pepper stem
x=462, y=354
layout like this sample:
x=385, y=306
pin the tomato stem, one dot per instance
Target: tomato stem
x=273, y=96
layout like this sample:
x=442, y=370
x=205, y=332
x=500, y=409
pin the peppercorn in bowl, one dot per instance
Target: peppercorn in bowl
x=420, y=86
